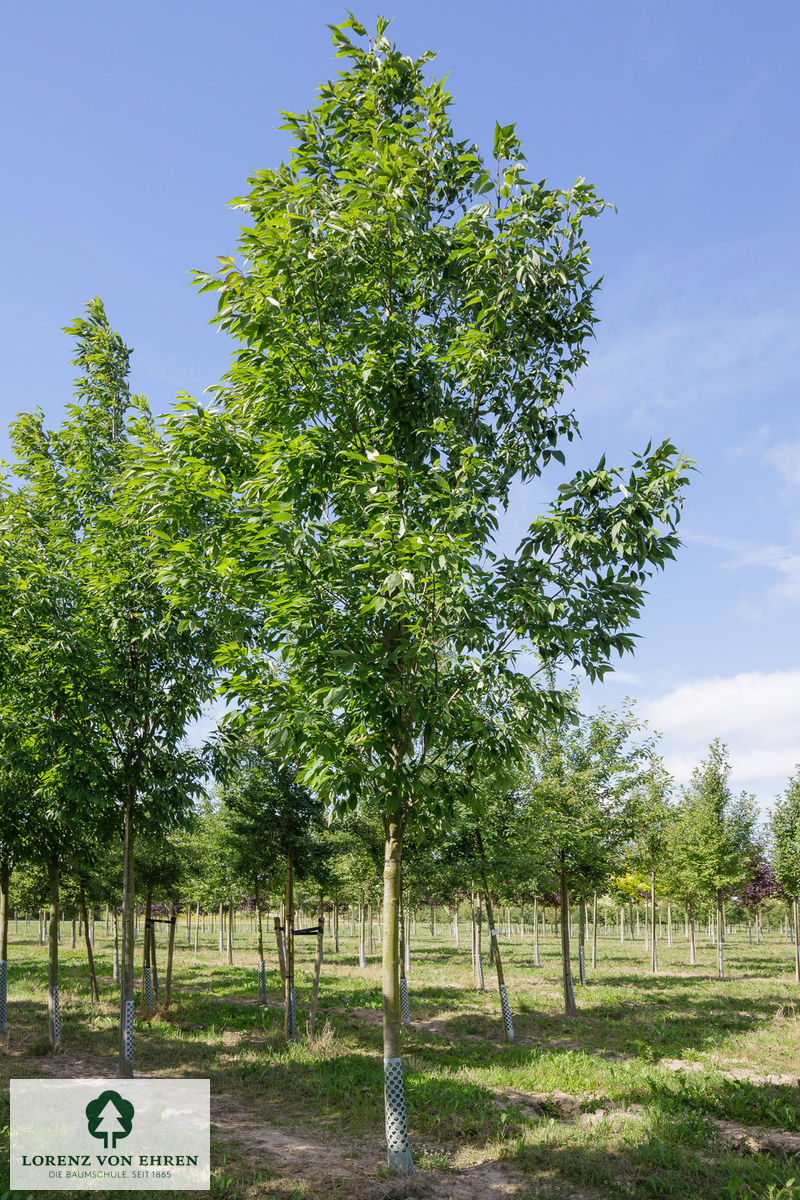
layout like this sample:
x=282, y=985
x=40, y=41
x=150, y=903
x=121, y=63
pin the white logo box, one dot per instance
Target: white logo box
x=110, y=1134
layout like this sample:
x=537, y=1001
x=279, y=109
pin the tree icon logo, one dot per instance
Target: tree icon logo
x=109, y=1116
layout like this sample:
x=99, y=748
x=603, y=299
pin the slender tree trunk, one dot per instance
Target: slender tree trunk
x=594, y=931
x=5, y=872
x=196, y=928
x=582, y=941
x=669, y=925
x=480, y=982
x=692, y=942
x=456, y=937
x=720, y=939
x=622, y=922
x=570, y=1007
x=173, y=920
x=290, y=1010
x=126, y=959
x=758, y=924
x=336, y=926
x=370, y=941
x=536, y=961
x=147, y=948
x=230, y=931
x=53, y=1010
x=221, y=934
x=654, y=946
x=508, y=1024
x=262, y=970
x=281, y=955
x=796, y=940
x=312, y=1015
x=398, y=1147
x=405, y=1007
x=362, y=954
x=74, y=942
x=94, y=993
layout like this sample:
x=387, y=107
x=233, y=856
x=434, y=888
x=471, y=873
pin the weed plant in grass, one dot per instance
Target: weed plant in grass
x=657, y=1137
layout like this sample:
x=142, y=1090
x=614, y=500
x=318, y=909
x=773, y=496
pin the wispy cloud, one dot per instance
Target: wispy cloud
x=785, y=457
x=757, y=713
x=783, y=560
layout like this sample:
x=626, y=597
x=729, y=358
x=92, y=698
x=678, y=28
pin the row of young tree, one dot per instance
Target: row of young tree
x=592, y=819
x=319, y=542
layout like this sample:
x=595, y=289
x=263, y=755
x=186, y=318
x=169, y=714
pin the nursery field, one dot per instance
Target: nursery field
x=680, y=1085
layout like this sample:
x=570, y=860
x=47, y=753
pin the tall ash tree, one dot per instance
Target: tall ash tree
x=408, y=318
x=711, y=841
x=785, y=830
x=113, y=670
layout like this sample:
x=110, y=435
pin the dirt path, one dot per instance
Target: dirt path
x=337, y=1167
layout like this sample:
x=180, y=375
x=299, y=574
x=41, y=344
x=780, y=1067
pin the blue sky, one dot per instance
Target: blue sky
x=127, y=129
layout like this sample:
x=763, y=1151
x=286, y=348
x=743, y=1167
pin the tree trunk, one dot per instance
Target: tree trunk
x=398, y=1148
x=170, y=953
x=74, y=942
x=654, y=947
x=480, y=983
x=507, y=1024
x=147, y=947
x=622, y=922
x=669, y=925
x=536, y=961
x=582, y=941
x=692, y=942
x=362, y=953
x=53, y=1011
x=796, y=941
x=570, y=1007
x=221, y=935
x=290, y=1009
x=281, y=954
x=456, y=937
x=262, y=970
x=336, y=926
x=312, y=1015
x=405, y=1007
x=230, y=931
x=126, y=960
x=94, y=993
x=370, y=941
x=720, y=938
x=594, y=932
x=196, y=927
x=5, y=872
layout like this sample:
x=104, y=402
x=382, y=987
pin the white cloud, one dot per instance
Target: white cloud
x=757, y=713
x=786, y=458
x=784, y=560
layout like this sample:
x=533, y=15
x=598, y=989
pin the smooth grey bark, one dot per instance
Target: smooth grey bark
x=53, y=1010
x=400, y=1161
x=536, y=961
x=312, y=1014
x=170, y=953
x=94, y=992
x=5, y=872
x=654, y=946
x=594, y=931
x=570, y=1007
x=290, y=1010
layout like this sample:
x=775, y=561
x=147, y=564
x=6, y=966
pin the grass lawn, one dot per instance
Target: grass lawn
x=640, y=1095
